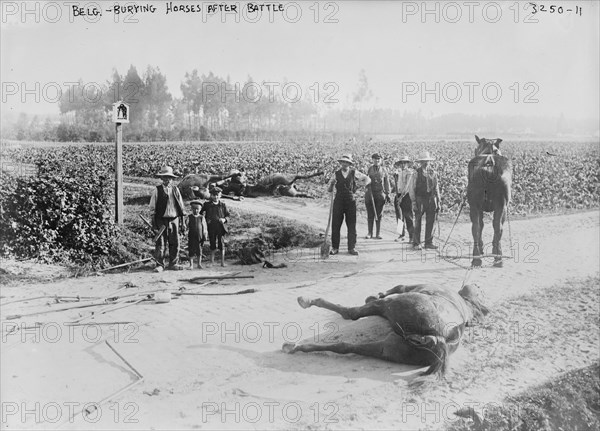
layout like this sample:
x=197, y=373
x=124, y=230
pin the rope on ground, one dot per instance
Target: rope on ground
x=349, y=274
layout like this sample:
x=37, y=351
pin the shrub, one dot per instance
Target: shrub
x=62, y=215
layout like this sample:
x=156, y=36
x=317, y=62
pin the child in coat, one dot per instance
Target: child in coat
x=216, y=218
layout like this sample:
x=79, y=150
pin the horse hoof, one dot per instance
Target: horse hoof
x=288, y=348
x=498, y=264
x=476, y=263
x=304, y=302
x=371, y=299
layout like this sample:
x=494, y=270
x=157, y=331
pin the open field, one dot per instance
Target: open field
x=548, y=176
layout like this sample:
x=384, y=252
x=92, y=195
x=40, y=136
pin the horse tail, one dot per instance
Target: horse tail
x=441, y=354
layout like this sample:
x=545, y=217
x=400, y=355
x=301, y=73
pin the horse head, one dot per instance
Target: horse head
x=472, y=295
x=194, y=186
x=487, y=146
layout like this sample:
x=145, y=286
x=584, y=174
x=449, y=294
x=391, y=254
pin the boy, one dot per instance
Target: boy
x=216, y=217
x=197, y=231
x=166, y=207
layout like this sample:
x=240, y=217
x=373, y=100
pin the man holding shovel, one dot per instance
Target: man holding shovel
x=377, y=194
x=345, y=182
x=402, y=202
x=166, y=208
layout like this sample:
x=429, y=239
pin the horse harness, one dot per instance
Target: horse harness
x=419, y=340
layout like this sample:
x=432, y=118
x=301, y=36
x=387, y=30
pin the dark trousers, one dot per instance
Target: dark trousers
x=425, y=205
x=169, y=237
x=404, y=212
x=343, y=208
x=379, y=200
x=215, y=235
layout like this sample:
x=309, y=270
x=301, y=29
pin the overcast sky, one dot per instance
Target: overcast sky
x=553, y=61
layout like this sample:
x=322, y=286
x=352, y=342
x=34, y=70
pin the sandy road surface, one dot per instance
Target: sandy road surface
x=215, y=362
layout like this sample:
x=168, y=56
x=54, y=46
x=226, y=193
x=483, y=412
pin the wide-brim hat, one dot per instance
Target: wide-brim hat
x=196, y=202
x=166, y=171
x=346, y=158
x=403, y=159
x=376, y=156
x=425, y=157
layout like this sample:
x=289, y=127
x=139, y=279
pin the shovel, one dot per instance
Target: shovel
x=160, y=231
x=326, y=246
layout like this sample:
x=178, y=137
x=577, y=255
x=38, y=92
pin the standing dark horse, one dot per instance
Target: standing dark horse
x=490, y=177
x=427, y=324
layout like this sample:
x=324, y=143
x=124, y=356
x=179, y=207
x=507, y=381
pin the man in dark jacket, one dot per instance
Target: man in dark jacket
x=345, y=181
x=166, y=207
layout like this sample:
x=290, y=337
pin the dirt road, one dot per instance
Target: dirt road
x=214, y=362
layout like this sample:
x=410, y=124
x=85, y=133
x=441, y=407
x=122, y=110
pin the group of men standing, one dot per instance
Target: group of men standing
x=417, y=194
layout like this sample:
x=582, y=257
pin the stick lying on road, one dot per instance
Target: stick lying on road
x=95, y=406
x=216, y=277
x=127, y=264
x=105, y=301
x=241, y=292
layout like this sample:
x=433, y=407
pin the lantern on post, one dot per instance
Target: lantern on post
x=120, y=115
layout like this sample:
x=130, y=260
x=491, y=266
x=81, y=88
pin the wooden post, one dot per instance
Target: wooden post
x=119, y=174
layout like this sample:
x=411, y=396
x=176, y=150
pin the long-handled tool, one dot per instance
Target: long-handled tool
x=374, y=207
x=160, y=231
x=156, y=237
x=400, y=221
x=326, y=246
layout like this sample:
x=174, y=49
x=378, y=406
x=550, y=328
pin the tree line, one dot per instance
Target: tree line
x=215, y=108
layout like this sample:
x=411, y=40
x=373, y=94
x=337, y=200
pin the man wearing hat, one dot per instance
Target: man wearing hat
x=345, y=181
x=425, y=196
x=377, y=194
x=402, y=202
x=166, y=208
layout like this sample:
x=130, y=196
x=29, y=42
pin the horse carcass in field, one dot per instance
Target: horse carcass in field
x=282, y=184
x=488, y=190
x=196, y=186
x=427, y=324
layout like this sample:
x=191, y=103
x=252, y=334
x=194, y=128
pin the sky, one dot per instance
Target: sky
x=434, y=57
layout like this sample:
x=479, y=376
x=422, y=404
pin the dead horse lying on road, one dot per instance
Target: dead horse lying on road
x=282, y=184
x=427, y=322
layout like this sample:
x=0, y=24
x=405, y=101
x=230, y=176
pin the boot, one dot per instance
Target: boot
x=212, y=256
x=378, y=229
x=370, y=227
